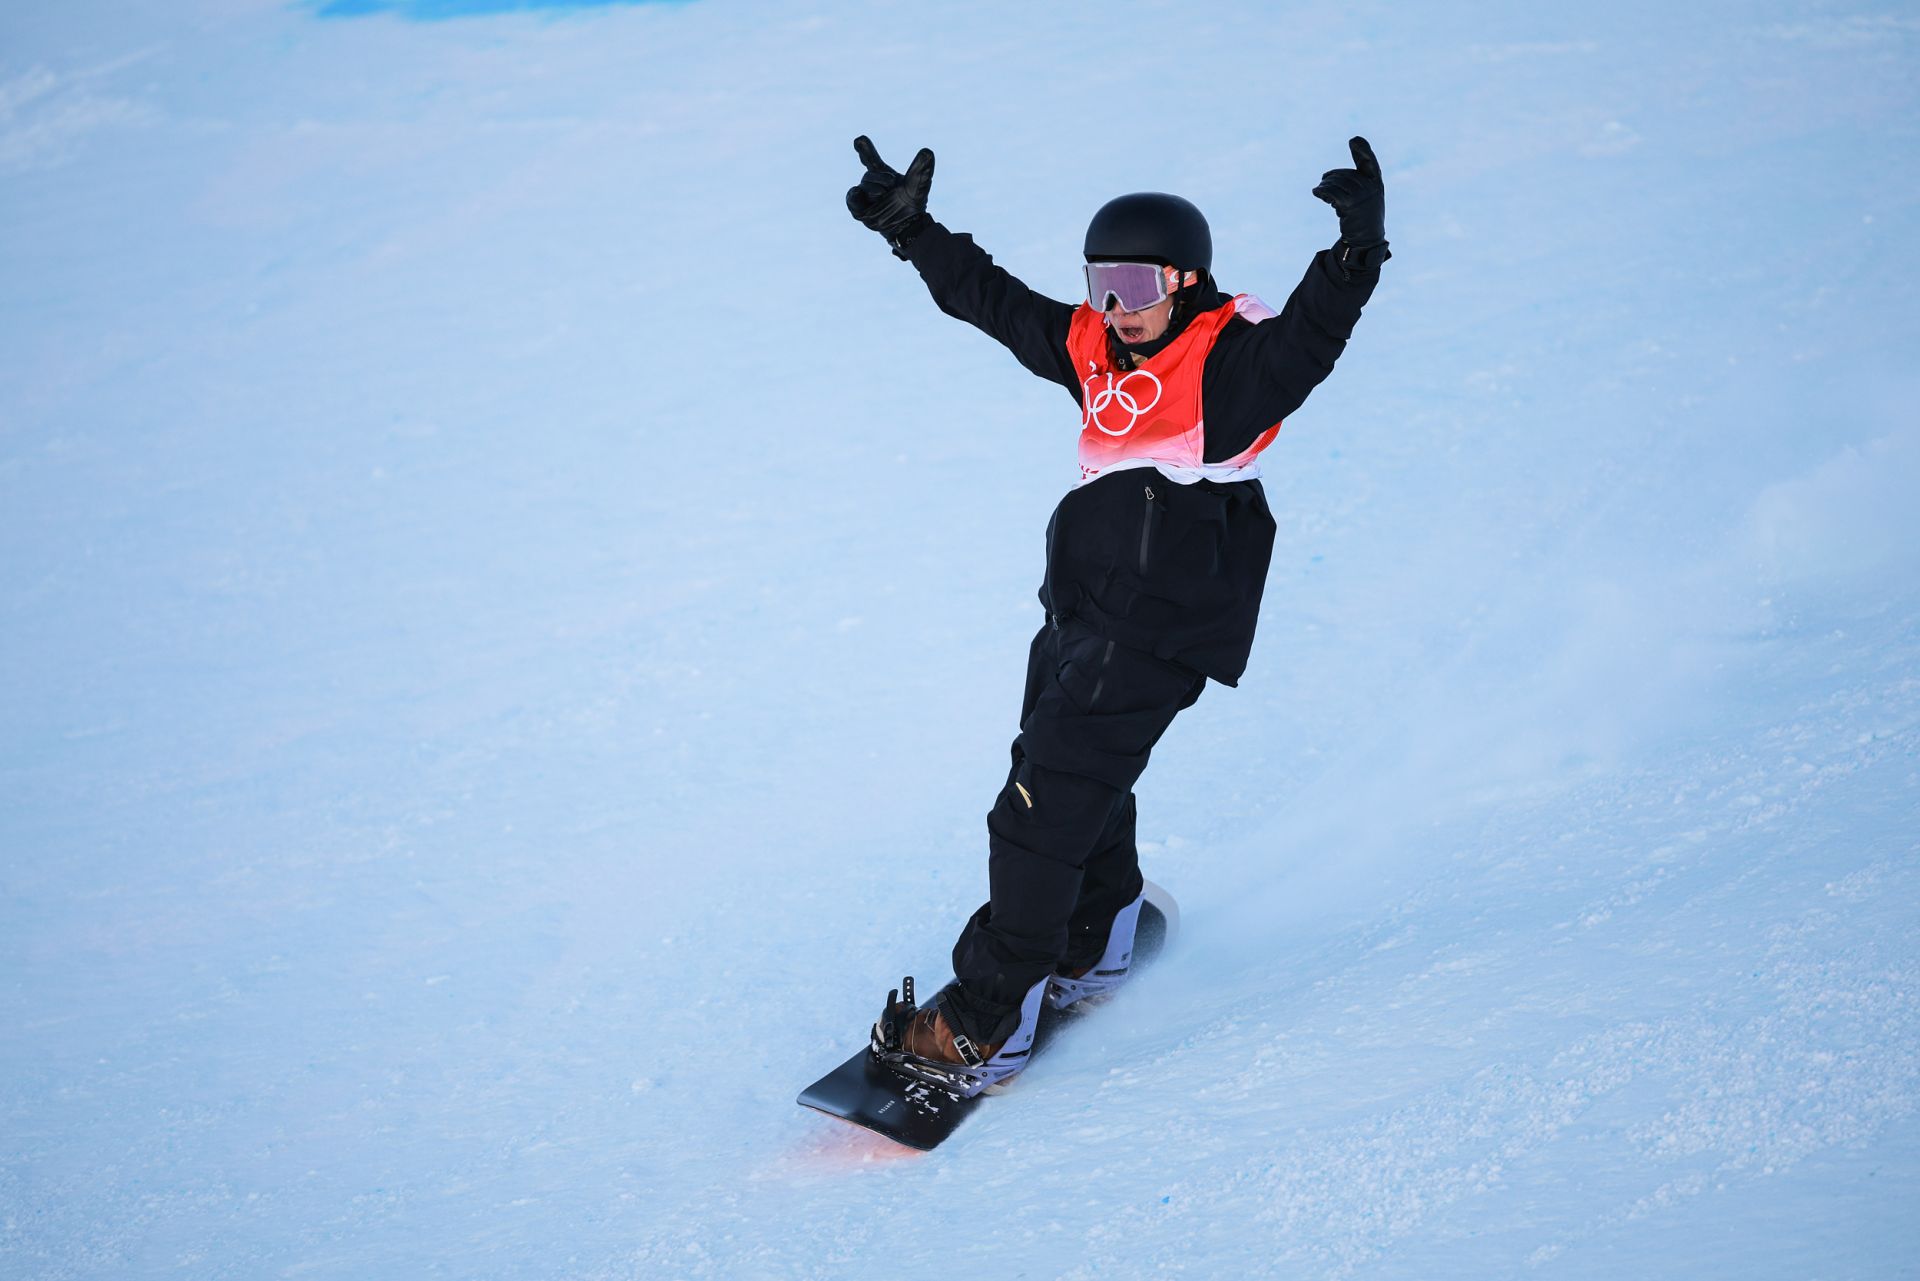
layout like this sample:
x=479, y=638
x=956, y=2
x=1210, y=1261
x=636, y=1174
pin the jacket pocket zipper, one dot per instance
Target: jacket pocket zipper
x=1106, y=657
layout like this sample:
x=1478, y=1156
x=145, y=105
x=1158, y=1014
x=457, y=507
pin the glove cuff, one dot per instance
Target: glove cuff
x=901, y=239
x=1351, y=257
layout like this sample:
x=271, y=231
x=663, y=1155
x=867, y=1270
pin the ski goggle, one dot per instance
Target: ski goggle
x=1134, y=285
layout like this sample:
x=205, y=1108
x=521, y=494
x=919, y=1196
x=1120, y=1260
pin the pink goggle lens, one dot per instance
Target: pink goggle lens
x=1135, y=286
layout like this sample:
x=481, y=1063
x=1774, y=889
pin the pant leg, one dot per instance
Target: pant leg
x=1061, y=830
x=1111, y=878
x=1110, y=881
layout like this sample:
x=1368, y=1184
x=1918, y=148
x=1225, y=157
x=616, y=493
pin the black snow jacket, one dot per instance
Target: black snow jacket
x=1174, y=570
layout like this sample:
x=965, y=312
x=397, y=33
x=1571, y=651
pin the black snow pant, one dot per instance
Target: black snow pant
x=1062, y=859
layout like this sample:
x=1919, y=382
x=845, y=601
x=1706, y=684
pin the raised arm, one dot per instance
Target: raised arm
x=961, y=276
x=1259, y=374
x=969, y=286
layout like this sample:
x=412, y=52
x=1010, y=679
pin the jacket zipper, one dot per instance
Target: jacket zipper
x=1146, y=531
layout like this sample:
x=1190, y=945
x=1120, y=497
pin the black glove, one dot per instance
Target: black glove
x=891, y=203
x=1360, y=198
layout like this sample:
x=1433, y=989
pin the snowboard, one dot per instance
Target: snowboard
x=921, y=1115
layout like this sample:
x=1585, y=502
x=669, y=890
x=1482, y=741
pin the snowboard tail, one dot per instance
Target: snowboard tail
x=920, y=1113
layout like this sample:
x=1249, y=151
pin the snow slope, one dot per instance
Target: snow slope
x=512, y=608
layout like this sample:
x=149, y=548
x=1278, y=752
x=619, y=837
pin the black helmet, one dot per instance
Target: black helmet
x=1151, y=226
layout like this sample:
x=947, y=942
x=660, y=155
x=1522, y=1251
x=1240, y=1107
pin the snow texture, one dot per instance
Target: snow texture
x=512, y=609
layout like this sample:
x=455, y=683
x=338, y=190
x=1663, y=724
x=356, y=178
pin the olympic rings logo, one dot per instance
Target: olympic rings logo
x=1119, y=398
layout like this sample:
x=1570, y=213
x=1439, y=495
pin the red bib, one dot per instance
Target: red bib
x=1151, y=415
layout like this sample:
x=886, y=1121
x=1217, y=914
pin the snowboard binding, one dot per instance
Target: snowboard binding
x=1084, y=987
x=887, y=1048
x=978, y=1070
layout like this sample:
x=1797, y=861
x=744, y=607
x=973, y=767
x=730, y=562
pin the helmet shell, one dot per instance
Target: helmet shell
x=1151, y=226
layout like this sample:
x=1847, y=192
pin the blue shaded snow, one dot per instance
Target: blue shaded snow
x=438, y=10
x=512, y=608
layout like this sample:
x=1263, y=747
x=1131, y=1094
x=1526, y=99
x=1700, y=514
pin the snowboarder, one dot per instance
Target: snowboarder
x=1156, y=561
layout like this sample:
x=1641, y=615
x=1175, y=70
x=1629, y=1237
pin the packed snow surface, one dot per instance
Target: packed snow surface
x=512, y=609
